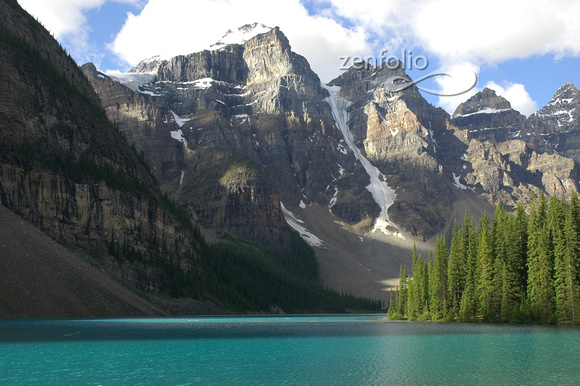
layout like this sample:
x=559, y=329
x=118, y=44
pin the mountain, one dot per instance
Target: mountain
x=242, y=145
x=507, y=156
x=250, y=113
x=487, y=116
x=67, y=170
x=557, y=125
x=360, y=170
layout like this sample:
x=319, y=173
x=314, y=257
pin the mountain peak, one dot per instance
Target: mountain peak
x=484, y=101
x=241, y=35
x=565, y=94
x=567, y=86
x=149, y=65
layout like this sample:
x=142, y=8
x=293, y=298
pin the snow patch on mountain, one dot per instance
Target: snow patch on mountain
x=240, y=35
x=311, y=239
x=180, y=121
x=177, y=135
x=382, y=193
x=333, y=200
x=457, y=183
x=133, y=80
x=486, y=110
x=341, y=148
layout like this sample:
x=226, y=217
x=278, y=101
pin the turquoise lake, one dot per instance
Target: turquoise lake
x=302, y=350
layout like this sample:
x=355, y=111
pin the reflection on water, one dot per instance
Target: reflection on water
x=284, y=350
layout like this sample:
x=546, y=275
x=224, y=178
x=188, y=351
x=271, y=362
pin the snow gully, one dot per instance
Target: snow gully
x=382, y=193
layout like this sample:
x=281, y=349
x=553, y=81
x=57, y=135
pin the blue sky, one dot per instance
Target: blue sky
x=525, y=50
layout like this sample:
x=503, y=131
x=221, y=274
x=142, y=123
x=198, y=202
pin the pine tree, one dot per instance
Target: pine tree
x=392, y=305
x=512, y=286
x=414, y=301
x=469, y=298
x=467, y=304
x=424, y=289
x=540, y=262
x=566, y=269
x=433, y=287
x=500, y=246
x=438, y=280
x=519, y=244
x=575, y=212
x=499, y=239
x=485, y=279
x=402, y=293
x=456, y=270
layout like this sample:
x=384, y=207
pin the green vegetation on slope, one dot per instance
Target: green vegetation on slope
x=245, y=277
x=519, y=269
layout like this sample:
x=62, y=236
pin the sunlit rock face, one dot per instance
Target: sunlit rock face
x=556, y=126
x=232, y=131
x=257, y=104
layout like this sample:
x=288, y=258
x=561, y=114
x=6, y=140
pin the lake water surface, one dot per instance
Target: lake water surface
x=304, y=350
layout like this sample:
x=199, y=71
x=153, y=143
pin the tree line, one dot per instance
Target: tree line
x=520, y=268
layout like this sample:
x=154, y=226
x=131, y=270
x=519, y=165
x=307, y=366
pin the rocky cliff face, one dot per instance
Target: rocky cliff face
x=556, y=126
x=65, y=168
x=259, y=100
x=399, y=133
x=507, y=156
x=489, y=117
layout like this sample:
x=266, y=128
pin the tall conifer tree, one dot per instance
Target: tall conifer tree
x=456, y=270
x=486, y=272
x=540, y=262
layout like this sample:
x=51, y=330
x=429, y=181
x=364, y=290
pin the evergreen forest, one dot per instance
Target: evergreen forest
x=518, y=269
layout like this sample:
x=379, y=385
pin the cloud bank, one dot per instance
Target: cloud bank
x=457, y=35
x=194, y=26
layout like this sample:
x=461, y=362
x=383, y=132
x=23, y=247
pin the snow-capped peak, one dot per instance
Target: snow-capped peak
x=149, y=65
x=241, y=35
x=564, y=95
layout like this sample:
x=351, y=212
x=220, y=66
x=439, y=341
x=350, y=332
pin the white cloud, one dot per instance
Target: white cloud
x=476, y=31
x=454, y=33
x=66, y=20
x=470, y=34
x=61, y=17
x=517, y=95
x=457, y=86
x=161, y=30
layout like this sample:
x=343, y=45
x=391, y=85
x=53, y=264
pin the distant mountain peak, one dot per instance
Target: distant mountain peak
x=566, y=86
x=149, y=65
x=485, y=101
x=565, y=94
x=241, y=35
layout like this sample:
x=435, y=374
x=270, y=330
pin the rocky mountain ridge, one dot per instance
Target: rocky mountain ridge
x=246, y=140
x=260, y=100
x=509, y=156
x=67, y=170
x=557, y=124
